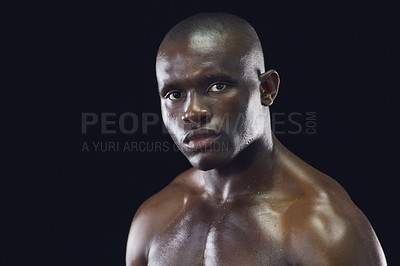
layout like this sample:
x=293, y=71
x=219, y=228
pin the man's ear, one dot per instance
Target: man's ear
x=269, y=85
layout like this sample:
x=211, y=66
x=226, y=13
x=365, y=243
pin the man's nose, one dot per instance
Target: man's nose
x=196, y=111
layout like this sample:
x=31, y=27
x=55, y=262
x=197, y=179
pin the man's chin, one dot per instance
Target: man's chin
x=205, y=162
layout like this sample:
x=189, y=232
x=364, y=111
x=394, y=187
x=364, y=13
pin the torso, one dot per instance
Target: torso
x=304, y=210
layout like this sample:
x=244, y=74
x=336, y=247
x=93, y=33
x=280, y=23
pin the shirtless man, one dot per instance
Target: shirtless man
x=247, y=200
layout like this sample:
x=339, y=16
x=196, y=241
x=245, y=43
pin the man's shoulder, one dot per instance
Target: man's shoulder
x=326, y=225
x=170, y=199
x=154, y=214
x=324, y=209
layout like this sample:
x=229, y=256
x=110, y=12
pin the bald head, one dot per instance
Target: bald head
x=210, y=74
x=218, y=33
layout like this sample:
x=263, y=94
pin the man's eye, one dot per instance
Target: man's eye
x=217, y=87
x=174, y=95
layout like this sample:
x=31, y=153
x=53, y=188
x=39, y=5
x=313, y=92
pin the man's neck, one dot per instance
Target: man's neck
x=249, y=172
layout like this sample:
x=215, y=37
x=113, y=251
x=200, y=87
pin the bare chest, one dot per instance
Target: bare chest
x=200, y=235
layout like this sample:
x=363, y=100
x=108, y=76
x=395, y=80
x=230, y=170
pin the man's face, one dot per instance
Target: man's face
x=210, y=98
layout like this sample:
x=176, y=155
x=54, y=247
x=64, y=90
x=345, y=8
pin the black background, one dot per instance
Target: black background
x=65, y=206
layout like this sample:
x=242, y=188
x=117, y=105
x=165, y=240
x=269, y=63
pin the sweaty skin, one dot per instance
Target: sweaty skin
x=247, y=200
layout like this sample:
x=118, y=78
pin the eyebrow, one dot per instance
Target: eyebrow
x=206, y=80
x=167, y=87
x=220, y=77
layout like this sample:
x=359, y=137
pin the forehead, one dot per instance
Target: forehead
x=210, y=41
x=200, y=54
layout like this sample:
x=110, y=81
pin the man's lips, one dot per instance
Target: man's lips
x=200, y=138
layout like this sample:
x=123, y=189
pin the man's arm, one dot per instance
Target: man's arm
x=139, y=238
